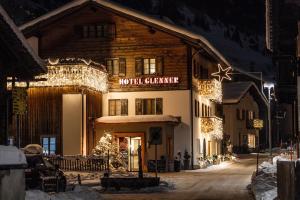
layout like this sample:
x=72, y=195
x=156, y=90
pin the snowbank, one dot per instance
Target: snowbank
x=10, y=155
x=264, y=183
x=79, y=193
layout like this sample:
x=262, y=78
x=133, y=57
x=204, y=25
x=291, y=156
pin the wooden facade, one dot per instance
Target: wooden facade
x=132, y=40
x=44, y=116
x=73, y=31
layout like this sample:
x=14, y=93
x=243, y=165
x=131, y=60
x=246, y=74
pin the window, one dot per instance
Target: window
x=148, y=66
x=98, y=31
x=197, y=108
x=250, y=115
x=116, y=66
x=251, y=140
x=117, y=107
x=149, y=106
x=49, y=145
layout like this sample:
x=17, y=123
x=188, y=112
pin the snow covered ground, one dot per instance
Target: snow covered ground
x=264, y=184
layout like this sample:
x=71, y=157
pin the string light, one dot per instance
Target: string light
x=211, y=89
x=62, y=72
x=222, y=73
x=212, y=126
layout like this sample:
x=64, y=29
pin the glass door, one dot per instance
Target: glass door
x=128, y=147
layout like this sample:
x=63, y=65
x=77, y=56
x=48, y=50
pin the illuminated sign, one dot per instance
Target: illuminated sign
x=258, y=123
x=149, y=81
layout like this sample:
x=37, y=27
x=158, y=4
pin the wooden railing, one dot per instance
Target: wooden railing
x=79, y=164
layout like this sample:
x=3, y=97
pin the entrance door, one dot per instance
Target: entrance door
x=128, y=147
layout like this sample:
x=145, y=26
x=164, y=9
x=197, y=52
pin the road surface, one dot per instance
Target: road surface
x=226, y=183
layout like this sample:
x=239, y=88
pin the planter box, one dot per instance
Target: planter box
x=128, y=182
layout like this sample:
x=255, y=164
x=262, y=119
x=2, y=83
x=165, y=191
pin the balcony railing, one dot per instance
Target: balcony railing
x=212, y=126
x=211, y=89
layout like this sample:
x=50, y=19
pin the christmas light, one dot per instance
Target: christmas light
x=212, y=126
x=62, y=72
x=211, y=89
x=222, y=73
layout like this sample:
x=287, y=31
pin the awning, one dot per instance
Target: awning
x=138, y=119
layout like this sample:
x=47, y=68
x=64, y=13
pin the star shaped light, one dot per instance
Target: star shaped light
x=222, y=73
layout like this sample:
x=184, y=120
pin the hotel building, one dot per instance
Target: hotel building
x=159, y=86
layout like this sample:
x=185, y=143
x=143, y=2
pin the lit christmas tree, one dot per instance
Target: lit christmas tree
x=108, y=144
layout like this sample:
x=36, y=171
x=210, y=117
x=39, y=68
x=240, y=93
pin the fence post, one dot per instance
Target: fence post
x=297, y=181
x=286, y=180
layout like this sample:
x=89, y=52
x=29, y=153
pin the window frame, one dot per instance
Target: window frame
x=50, y=151
x=117, y=66
x=123, y=107
x=141, y=106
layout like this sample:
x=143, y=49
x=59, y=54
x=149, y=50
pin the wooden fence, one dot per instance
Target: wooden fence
x=79, y=164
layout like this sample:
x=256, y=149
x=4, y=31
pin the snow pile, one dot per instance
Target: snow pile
x=264, y=183
x=36, y=195
x=10, y=155
x=79, y=193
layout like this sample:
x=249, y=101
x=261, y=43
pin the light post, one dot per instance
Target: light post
x=269, y=86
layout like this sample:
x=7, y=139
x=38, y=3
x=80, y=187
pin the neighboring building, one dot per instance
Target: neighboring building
x=281, y=32
x=17, y=60
x=245, y=118
x=160, y=82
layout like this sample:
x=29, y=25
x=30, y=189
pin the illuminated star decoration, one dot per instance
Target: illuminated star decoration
x=222, y=73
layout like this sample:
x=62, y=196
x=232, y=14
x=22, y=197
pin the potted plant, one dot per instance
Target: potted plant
x=186, y=161
x=215, y=159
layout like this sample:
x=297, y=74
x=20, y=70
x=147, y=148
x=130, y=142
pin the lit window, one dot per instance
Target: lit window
x=149, y=66
x=251, y=140
x=49, y=145
x=116, y=66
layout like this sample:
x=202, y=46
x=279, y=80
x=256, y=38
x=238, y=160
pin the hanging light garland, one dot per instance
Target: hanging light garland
x=212, y=126
x=211, y=89
x=71, y=72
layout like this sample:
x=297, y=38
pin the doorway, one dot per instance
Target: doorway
x=128, y=147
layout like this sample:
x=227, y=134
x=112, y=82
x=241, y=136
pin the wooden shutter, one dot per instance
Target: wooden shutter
x=110, y=31
x=238, y=114
x=124, y=106
x=122, y=67
x=159, y=65
x=244, y=113
x=138, y=66
x=109, y=66
x=139, y=106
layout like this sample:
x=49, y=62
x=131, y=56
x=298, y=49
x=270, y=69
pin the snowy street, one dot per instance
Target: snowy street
x=228, y=182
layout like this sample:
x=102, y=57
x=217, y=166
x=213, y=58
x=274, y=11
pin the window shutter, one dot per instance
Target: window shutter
x=159, y=65
x=109, y=66
x=110, y=31
x=124, y=106
x=238, y=114
x=139, y=106
x=244, y=114
x=138, y=66
x=122, y=67
x=78, y=30
x=159, y=106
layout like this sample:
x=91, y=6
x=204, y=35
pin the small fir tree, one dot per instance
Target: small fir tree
x=107, y=144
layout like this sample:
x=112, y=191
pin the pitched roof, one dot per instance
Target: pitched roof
x=14, y=39
x=233, y=92
x=192, y=37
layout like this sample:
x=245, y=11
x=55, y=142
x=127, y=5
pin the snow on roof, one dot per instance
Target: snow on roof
x=10, y=155
x=4, y=16
x=137, y=119
x=234, y=91
x=141, y=16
